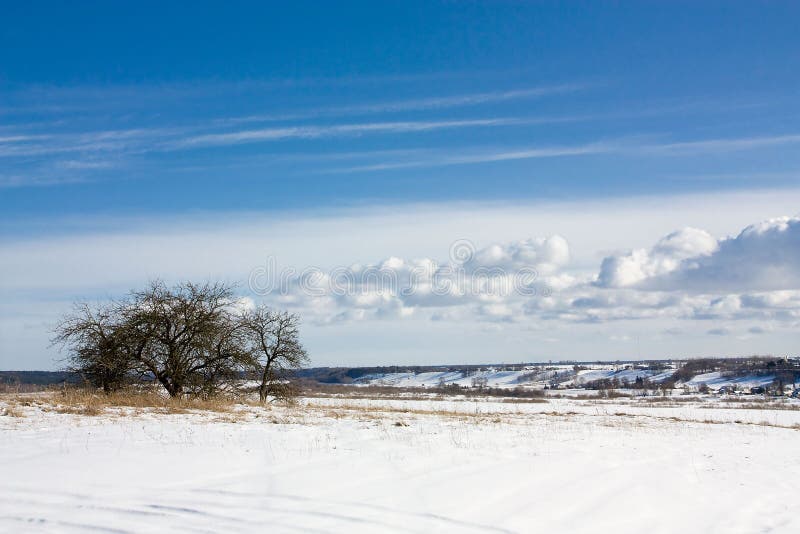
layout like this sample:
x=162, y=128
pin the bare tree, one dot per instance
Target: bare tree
x=180, y=327
x=98, y=349
x=223, y=361
x=190, y=338
x=275, y=348
x=480, y=382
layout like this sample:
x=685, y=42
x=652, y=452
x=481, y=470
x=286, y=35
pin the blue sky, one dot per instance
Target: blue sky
x=142, y=123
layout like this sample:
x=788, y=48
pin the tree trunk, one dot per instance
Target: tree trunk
x=172, y=388
x=263, y=388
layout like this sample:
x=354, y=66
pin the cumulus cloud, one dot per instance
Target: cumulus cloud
x=492, y=282
x=764, y=256
x=547, y=255
x=772, y=299
x=637, y=266
x=659, y=283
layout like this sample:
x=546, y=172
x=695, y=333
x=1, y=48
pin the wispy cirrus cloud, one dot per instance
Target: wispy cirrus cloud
x=101, y=150
x=464, y=100
x=143, y=140
x=312, y=132
x=85, y=164
x=418, y=104
x=627, y=146
x=486, y=157
x=83, y=148
x=725, y=144
x=9, y=139
x=166, y=139
x=26, y=180
x=111, y=141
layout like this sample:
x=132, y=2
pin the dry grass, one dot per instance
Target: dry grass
x=516, y=400
x=383, y=412
x=735, y=404
x=406, y=394
x=91, y=403
x=706, y=421
x=378, y=393
x=363, y=412
x=339, y=409
x=6, y=388
x=11, y=410
x=449, y=393
x=670, y=399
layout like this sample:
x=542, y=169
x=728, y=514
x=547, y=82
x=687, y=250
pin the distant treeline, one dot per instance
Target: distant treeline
x=38, y=378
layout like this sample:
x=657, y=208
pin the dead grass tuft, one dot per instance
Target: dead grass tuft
x=11, y=411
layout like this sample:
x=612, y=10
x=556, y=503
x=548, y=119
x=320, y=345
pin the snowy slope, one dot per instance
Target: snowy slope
x=717, y=380
x=534, y=376
x=493, y=377
x=624, y=375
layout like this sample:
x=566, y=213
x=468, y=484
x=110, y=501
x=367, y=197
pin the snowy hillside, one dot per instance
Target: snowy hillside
x=498, y=377
x=717, y=380
x=563, y=376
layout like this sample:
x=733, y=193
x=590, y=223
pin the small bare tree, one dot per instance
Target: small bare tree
x=275, y=349
x=480, y=382
x=98, y=348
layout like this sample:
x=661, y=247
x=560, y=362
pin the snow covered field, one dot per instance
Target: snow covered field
x=394, y=465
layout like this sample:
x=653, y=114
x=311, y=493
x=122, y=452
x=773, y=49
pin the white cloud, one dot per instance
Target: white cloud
x=312, y=132
x=621, y=146
x=546, y=255
x=444, y=160
x=623, y=290
x=725, y=145
x=763, y=256
x=488, y=282
x=430, y=103
x=633, y=268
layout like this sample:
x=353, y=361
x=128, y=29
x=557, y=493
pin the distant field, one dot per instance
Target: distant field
x=357, y=462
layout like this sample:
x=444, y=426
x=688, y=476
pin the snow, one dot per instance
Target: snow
x=494, y=378
x=400, y=465
x=717, y=380
x=623, y=375
x=564, y=375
